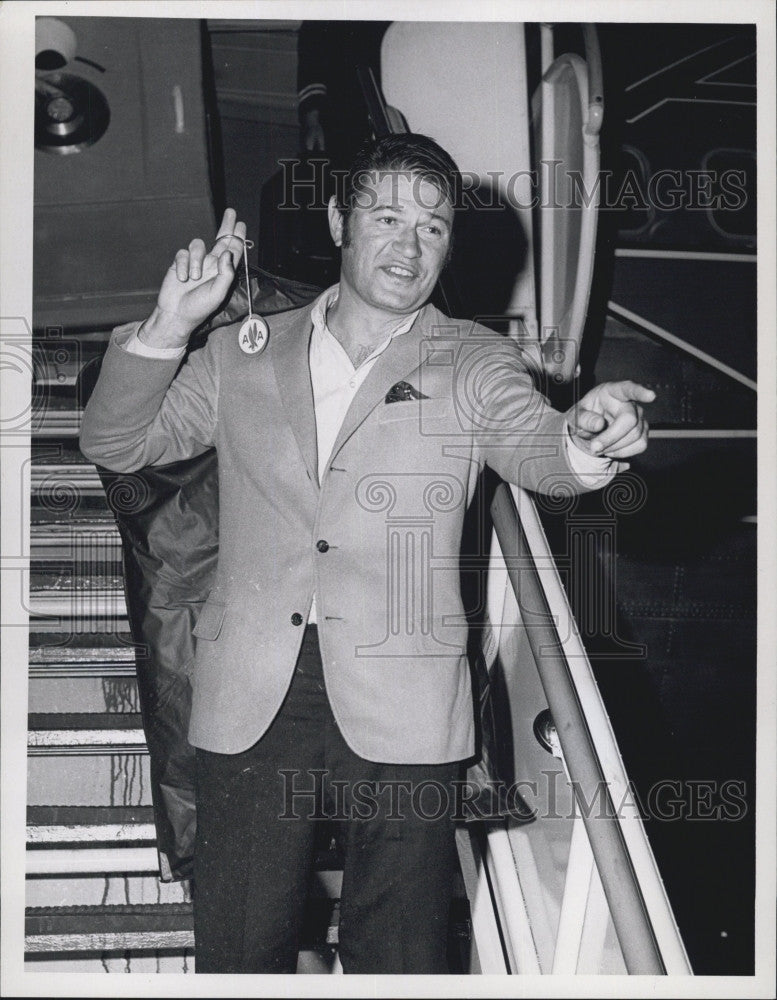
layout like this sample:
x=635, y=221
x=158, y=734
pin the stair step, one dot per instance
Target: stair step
x=54, y=619
x=80, y=648
x=123, y=860
x=93, y=861
x=108, y=928
x=57, y=481
x=51, y=422
x=62, y=828
x=87, y=733
x=103, y=774
x=81, y=655
x=68, y=586
x=61, y=840
x=71, y=824
x=81, y=577
x=77, y=543
x=50, y=455
x=111, y=918
x=74, y=669
x=89, y=824
x=93, y=693
x=66, y=603
x=68, y=494
x=77, y=721
x=145, y=926
x=65, y=888
x=94, y=519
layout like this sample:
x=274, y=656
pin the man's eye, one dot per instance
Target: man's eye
x=388, y=218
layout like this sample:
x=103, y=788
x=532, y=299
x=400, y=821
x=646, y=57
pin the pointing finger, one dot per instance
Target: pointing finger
x=628, y=391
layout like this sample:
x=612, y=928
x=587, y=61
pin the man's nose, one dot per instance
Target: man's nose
x=407, y=242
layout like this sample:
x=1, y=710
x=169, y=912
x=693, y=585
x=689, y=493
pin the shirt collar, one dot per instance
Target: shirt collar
x=327, y=299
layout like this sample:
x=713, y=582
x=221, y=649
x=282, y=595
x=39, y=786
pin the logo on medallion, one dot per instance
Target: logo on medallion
x=253, y=335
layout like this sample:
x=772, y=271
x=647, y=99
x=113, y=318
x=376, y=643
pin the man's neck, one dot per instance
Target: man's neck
x=358, y=327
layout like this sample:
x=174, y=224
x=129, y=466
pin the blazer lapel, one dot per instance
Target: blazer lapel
x=401, y=357
x=290, y=356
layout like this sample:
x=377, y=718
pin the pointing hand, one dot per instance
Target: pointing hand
x=609, y=421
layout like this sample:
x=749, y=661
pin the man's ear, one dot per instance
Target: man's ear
x=335, y=222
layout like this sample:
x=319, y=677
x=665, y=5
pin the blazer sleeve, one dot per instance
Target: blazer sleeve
x=144, y=411
x=517, y=431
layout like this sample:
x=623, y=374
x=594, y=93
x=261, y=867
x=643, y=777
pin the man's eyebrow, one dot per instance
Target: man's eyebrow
x=385, y=206
x=400, y=208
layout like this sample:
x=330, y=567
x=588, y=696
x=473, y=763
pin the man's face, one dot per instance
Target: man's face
x=399, y=232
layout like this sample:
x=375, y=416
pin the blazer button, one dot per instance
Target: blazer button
x=322, y=545
x=296, y=618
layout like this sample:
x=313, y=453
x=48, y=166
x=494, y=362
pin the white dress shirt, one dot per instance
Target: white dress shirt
x=335, y=382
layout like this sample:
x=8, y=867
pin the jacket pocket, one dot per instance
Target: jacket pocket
x=416, y=409
x=210, y=621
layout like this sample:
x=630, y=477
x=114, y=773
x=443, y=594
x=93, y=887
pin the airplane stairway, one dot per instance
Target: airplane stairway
x=94, y=898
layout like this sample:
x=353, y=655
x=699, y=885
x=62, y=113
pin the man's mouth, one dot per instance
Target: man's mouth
x=399, y=271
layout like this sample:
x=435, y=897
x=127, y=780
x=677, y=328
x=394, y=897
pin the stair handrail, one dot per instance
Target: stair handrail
x=640, y=910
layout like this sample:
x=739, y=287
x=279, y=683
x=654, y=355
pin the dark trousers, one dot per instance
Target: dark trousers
x=256, y=820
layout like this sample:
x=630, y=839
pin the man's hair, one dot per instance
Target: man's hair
x=406, y=152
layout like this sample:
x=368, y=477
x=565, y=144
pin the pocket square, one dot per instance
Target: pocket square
x=403, y=391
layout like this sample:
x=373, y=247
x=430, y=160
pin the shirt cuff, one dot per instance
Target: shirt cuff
x=136, y=346
x=593, y=470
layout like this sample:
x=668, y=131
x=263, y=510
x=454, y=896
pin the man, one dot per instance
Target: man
x=332, y=110
x=348, y=452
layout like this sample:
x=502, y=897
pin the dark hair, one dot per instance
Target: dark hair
x=408, y=152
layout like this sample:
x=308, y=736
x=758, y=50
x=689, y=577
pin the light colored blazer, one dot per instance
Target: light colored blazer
x=377, y=541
